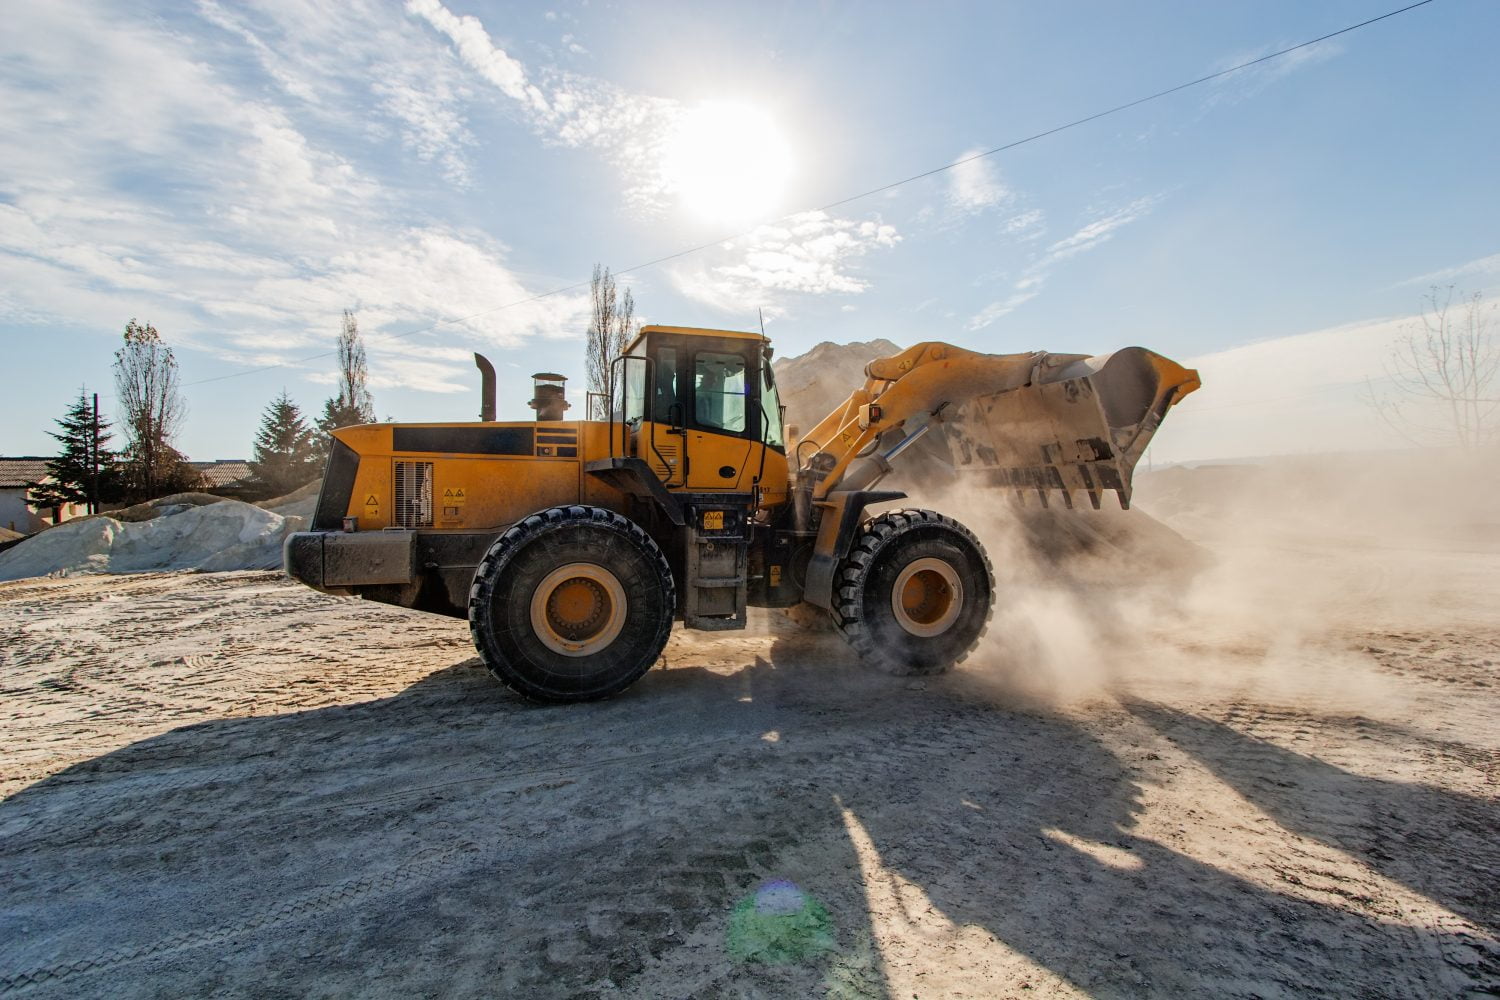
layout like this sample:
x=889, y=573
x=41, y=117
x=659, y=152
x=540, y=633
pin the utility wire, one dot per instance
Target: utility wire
x=699, y=248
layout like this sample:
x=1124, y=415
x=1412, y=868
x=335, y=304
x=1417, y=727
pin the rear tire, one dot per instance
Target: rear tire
x=571, y=604
x=915, y=593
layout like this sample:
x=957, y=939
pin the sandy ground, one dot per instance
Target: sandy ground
x=227, y=785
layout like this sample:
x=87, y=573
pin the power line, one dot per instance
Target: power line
x=699, y=248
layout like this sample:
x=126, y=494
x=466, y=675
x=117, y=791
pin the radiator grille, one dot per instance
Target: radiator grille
x=414, y=494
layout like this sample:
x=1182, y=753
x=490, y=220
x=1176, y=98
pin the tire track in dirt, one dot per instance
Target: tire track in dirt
x=856, y=763
x=627, y=829
x=304, y=907
x=1323, y=802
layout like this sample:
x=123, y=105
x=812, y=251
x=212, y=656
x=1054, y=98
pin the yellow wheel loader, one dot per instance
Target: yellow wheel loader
x=571, y=546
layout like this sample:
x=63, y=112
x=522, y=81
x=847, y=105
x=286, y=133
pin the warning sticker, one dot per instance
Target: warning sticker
x=371, y=501
x=453, y=496
x=713, y=520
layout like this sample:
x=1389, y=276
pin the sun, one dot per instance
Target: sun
x=728, y=162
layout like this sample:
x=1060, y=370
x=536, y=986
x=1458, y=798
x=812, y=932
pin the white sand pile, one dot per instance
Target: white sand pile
x=299, y=503
x=227, y=535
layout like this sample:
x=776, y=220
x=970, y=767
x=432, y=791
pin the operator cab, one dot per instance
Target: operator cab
x=700, y=406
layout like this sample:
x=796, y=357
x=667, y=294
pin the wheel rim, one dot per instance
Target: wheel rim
x=578, y=609
x=927, y=597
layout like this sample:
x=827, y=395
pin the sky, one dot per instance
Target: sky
x=238, y=174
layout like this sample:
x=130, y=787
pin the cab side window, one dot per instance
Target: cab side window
x=666, y=386
x=719, y=391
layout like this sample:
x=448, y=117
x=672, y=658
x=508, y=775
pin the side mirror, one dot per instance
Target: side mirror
x=676, y=418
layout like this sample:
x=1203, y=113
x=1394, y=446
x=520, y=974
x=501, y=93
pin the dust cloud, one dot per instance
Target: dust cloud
x=1252, y=580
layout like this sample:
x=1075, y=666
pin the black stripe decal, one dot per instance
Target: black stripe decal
x=567, y=452
x=465, y=440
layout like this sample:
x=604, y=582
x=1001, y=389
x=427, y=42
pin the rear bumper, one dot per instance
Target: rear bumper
x=338, y=560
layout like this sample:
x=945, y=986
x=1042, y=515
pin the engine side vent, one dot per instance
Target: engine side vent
x=414, y=494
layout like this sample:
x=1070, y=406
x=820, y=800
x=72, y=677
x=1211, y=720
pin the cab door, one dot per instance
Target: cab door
x=720, y=435
x=664, y=434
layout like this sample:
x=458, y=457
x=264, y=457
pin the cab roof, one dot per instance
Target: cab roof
x=695, y=331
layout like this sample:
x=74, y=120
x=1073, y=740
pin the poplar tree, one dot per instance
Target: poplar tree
x=353, y=404
x=146, y=385
x=612, y=325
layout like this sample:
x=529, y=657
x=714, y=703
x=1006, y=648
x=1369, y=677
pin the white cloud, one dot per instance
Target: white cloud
x=481, y=54
x=234, y=229
x=1099, y=231
x=1090, y=236
x=974, y=185
x=1248, y=82
x=633, y=132
x=1002, y=307
x=1483, y=270
x=432, y=127
x=810, y=253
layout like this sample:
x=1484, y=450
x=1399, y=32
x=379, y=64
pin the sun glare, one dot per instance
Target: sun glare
x=728, y=162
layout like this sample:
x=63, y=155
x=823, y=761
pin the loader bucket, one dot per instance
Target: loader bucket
x=1079, y=426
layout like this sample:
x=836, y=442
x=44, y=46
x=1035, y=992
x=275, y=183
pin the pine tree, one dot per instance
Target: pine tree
x=353, y=404
x=71, y=473
x=286, y=451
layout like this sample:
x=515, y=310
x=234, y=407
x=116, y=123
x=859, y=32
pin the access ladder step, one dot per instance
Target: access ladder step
x=716, y=576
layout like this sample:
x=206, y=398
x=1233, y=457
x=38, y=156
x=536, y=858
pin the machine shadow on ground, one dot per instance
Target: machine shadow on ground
x=1436, y=842
x=454, y=840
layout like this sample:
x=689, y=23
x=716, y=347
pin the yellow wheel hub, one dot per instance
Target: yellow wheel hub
x=927, y=597
x=578, y=609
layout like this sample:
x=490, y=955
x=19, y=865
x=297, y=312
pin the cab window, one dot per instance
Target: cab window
x=719, y=391
x=771, y=405
x=666, y=386
x=632, y=404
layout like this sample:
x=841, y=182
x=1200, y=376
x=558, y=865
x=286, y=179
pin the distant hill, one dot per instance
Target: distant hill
x=814, y=383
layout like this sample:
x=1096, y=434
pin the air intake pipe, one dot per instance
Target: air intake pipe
x=486, y=388
x=550, y=398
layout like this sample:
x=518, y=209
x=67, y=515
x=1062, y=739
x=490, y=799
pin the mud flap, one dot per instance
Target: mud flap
x=843, y=511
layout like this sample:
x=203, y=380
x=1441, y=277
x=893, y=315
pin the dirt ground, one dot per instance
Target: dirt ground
x=227, y=785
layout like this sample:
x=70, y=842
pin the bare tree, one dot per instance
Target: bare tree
x=611, y=326
x=353, y=404
x=146, y=385
x=1442, y=373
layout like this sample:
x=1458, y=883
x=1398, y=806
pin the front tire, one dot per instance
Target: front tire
x=915, y=593
x=571, y=604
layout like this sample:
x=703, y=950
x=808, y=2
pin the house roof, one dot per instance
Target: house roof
x=224, y=472
x=17, y=472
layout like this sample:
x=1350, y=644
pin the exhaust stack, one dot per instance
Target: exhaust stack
x=486, y=387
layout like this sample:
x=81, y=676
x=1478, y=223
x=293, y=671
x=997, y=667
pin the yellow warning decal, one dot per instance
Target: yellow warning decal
x=371, y=501
x=713, y=520
x=775, y=576
x=453, y=497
